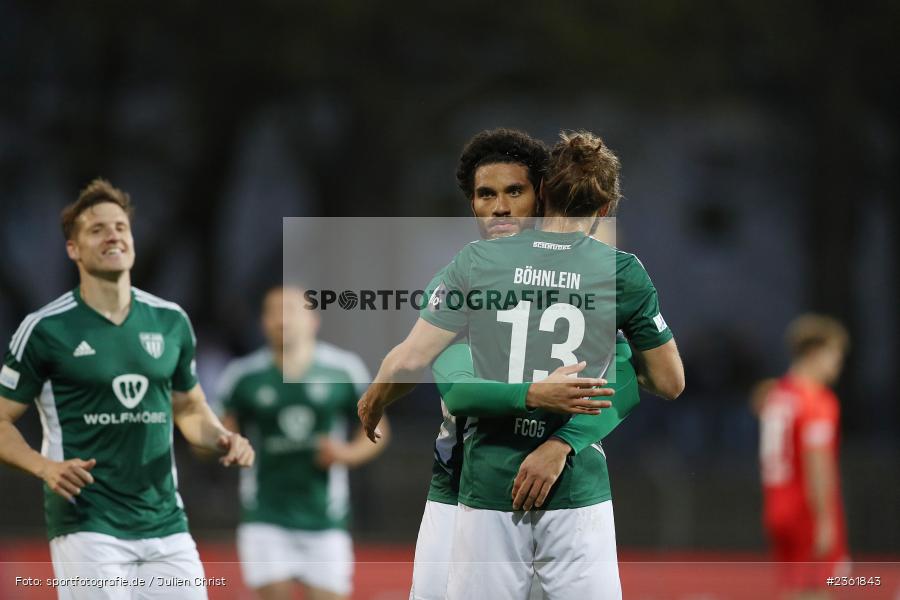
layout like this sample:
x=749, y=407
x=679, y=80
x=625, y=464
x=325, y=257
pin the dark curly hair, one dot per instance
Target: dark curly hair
x=501, y=146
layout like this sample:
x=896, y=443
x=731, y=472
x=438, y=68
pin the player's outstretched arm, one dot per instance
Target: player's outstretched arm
x=582, y=431
x=465, y=394
x=65, y=478
x=201, y=427
x=660, y=370
x=399, y=372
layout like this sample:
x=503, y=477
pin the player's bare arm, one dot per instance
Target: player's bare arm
x=230, y=422
x=563, y=392
x=538, y=473
x=820, y=483
x=65, y=478
x=200, y=427
x=354, y=453
x=660, y=370
x=398, y=371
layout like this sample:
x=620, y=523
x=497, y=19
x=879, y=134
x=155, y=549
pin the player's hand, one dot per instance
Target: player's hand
x=237, y=449
x=561, y=392
x=537, y=474
x=66, y=478
x=370, y=416
x=824, y=538
x=332, y=452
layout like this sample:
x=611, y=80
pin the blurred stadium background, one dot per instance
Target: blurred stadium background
x=761, y=160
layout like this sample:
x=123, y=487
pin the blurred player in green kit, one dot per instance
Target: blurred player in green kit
x=112, y=371
x=295, y=399
x=499, y=172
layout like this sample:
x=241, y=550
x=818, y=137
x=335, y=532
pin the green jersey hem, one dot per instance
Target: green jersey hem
x=115, y=532
x=442, y=497
x=656, y=342
x=441, y=489
x=507, y=506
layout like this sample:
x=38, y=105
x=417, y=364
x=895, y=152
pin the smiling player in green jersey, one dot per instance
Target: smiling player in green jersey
x=295, y=399
x=571, y=540
x=111, y=369
x=499, y=172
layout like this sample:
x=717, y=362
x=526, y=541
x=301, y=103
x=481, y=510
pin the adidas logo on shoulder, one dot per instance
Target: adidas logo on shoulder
x=84, y=349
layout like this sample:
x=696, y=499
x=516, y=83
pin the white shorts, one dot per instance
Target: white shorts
x=319, y=559
x=433, y=552
x=170, y=567
x=497, y=553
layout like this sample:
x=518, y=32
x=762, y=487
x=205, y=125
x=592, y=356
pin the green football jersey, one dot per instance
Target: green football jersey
x=104, y=391
x=533, y=302
x=454, y=372
x=448, y=456
x=284, y=422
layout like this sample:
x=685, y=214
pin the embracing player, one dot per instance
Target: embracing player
x=499, y=173
x=570, y=541
x=111, y=369
x=295, y=399
x=799, y=421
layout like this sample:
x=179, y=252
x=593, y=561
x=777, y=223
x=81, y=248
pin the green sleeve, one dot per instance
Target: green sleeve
x=21, y=374
x=583, y=430
x=465, y=394
x=446, y=307
x=637, y=305
x=185, y=376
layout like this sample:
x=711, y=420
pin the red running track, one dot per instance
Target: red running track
x=383, y=572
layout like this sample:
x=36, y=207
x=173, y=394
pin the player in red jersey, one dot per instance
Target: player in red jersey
x=799, y=417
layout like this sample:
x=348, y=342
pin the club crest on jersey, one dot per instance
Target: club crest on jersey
x=153, y=343
x=317, y=391
x=297, y=422
x=130, y=389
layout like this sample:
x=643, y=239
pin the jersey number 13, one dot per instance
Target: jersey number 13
x=564, y=351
